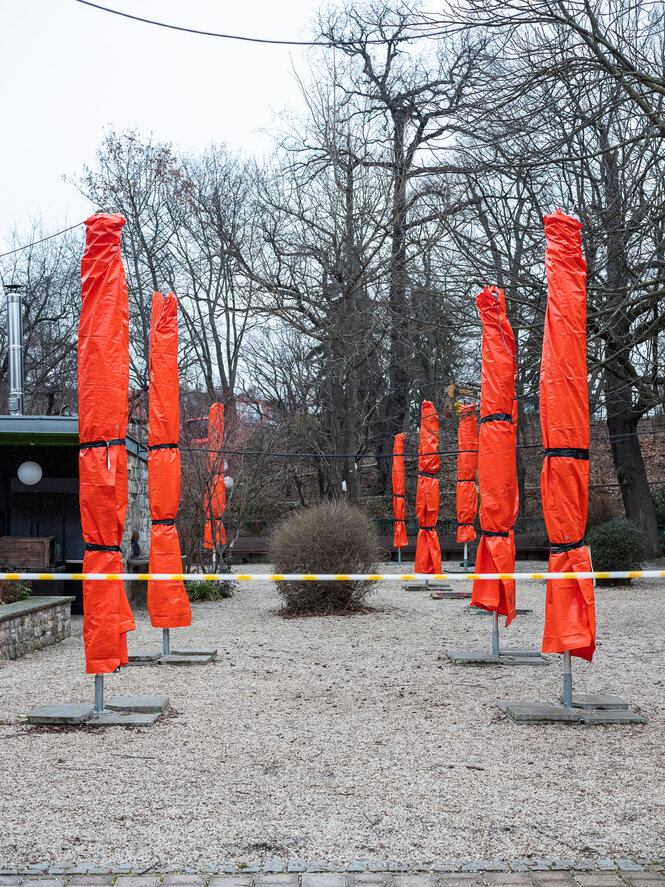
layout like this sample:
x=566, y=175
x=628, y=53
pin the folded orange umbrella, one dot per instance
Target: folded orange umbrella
x=103, y=384
x=399, y=493
x=168, y=604
x=467, y=469
x=497, y=467
x=215, y=535
x=428, y=551
x=570, y=616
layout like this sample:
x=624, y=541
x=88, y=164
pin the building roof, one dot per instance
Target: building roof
x=53, y=431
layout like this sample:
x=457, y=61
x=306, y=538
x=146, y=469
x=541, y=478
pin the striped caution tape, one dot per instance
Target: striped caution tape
x=326, y=577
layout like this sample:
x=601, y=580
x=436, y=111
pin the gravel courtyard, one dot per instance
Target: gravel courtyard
x=342, y=738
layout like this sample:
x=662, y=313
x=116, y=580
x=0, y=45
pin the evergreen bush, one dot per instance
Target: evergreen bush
x=209, y=591
x=616, y=545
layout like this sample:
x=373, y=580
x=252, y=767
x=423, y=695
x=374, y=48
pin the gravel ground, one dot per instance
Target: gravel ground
x=342, y=738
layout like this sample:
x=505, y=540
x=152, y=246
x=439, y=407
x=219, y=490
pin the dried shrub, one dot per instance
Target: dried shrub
x=332, y=537
x=13, y=590
x=616, y=545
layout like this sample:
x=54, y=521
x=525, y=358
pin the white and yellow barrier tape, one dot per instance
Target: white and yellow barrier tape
x=326, y=577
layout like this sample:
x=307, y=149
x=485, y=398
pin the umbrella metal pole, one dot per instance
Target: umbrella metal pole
x=99, y=694
x=166, y=642
x=466, y=559
x=399, y=555
x=567, y=680
x=495, y=633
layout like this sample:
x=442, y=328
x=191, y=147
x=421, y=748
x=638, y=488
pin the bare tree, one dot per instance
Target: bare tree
x=49, y=274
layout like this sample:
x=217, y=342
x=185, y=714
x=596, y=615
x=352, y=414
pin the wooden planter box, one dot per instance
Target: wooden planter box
x=19, y=553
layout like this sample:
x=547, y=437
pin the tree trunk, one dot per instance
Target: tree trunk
x=631, y=473
x=622, y=416
x=397, y=400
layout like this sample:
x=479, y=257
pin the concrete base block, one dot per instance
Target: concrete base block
x=144, y=658
x=176, y=659
x=450, y=595
x=521, y=651
x=600, y=702
x=547, y=713
x=59, y=713
x=459, y=657
x=124, y=719
x=427, y=586
x=598, y=716
x=210, y=652
x=519, y=611
x=142, y=704
x=508, y=656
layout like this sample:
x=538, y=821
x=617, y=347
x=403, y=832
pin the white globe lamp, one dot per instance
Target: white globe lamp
x=29, y=473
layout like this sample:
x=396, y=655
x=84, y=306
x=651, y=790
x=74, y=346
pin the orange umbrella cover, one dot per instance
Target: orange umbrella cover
x=570, y=615
x=399, y=493
x=467, y=469
x=103, y=385
x=168, y=603
x=428, y=551
x=215, y=534
x=497, y=467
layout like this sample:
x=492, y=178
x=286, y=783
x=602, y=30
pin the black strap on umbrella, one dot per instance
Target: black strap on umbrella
x=399, y=496
x=94, y=444
x=173, y=446
x=491, y=533
x=497, y=417
x=568, y=453
x=427, y=528
x=461, y=524
x=466, y=480
x=400, y=520
x=116, y=442
x=560, y=547
x=92, y=546
x=427, y=474
x=167, y=522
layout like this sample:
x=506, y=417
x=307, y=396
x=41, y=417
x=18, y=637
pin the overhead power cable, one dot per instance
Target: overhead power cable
x=534, y=446
x=267, y=40
x=42, y=240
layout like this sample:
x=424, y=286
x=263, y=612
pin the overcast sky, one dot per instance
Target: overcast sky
x=69, y=71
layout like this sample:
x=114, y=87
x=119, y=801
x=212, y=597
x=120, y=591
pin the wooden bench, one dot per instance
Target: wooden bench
x=254, y=549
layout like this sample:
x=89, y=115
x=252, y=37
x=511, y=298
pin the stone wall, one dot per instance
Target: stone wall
x=30, y=625
x=138, y=505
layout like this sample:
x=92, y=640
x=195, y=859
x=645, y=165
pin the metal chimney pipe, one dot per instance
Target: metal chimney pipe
x=15, y=332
